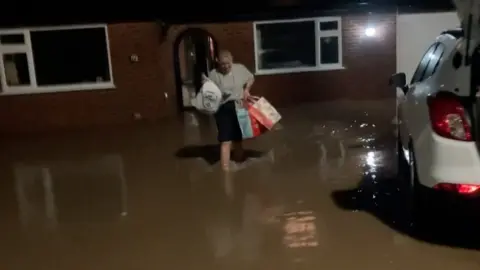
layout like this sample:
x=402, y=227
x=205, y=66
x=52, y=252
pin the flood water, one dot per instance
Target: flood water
x=319, y=192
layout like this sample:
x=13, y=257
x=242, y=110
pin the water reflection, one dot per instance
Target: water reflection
x=372, y=162
x=371, y=165
x=228, y=185
x=337, y=142
x=371, y=159
x=300, y=230
x=51, y=192
x=236, y=208
x=27, y=181
x=251, y=235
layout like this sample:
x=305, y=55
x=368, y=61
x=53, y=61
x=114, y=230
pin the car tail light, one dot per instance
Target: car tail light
x=449, y=118
x=459, y=188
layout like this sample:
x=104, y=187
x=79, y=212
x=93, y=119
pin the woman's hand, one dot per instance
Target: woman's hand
x=247, y=86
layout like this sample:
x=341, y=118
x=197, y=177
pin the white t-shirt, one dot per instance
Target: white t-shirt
x=232, y=84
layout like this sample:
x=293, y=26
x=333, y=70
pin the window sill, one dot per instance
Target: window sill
x=25, y=90
x=298, y=70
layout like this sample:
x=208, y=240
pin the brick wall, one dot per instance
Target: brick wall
x=369, y=62
x=138, y=89
x=148, y=86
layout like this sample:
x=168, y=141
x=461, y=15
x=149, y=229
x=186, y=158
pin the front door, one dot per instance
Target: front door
x=196, y=54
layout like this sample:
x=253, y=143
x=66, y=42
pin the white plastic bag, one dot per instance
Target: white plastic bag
x=208, y=99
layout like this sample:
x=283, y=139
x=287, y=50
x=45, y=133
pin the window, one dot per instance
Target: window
x=429, y=63
x=55, y=59
x=434, y=61
x=298, y=45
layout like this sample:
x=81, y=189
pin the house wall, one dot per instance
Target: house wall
x=415, y=33
x=147, y=88
x=368, y=63
x=138, y=89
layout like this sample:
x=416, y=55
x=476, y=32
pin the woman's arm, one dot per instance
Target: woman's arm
x=249, y=83
x=250, y=79
x=213, y=77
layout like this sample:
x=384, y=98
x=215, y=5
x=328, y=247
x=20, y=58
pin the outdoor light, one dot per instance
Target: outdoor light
x=370, y=32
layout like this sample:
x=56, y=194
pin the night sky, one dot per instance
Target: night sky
x=185, y=11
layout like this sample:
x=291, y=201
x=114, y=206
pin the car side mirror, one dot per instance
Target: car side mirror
x=399, y=80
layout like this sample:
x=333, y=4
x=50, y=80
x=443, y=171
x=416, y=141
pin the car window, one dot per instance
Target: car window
x=422, y=66
x=434, y=61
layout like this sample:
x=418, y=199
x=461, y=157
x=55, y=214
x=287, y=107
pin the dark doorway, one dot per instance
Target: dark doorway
x=194, y=53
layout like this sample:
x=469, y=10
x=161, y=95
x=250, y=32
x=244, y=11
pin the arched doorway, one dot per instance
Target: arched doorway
x=194, y=53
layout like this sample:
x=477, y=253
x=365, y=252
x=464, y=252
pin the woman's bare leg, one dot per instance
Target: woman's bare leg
x=225, y=148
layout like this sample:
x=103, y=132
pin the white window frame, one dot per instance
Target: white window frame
x=318, y=34
x=33, y=88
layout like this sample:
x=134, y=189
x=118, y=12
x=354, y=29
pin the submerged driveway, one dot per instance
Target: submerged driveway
x=319, y=192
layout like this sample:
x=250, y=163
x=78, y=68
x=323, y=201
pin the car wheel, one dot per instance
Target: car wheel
x=419, y=195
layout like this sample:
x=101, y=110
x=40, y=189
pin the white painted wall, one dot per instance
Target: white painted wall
x=415, y=33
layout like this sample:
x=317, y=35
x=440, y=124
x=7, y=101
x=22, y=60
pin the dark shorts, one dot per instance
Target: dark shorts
x=227, y=123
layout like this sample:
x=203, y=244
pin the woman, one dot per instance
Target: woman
x=235, y=81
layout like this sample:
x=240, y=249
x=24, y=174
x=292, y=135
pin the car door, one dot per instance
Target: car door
x=418, y=108
x=407, y=101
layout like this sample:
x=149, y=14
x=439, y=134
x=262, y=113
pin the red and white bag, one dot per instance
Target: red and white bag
x=249, y=125
x=264, y=112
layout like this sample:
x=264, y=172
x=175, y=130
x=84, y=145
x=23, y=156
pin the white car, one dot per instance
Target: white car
x=438, y=115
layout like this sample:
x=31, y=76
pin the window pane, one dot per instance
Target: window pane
x=418, y=75
x=434, y=60
x=16, y=69
x=70, y=56
x=12, y=39
x=329, y=50
x=325, y=26
x=287, y=45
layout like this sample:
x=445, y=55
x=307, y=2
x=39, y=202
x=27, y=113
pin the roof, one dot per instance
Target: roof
x=457, y=33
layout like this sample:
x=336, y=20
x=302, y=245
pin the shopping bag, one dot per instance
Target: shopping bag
x=249, y=126
x=264, y=112
x=208, y=99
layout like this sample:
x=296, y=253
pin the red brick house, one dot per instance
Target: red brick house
x=124, y=71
